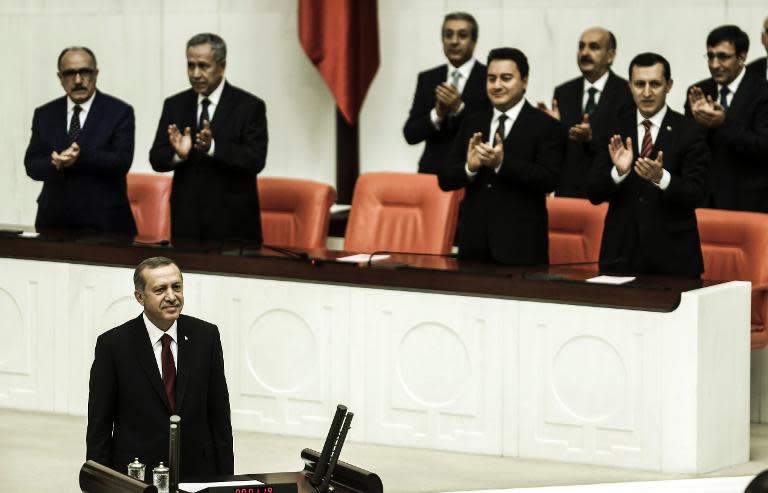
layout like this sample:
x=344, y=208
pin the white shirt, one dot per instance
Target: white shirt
x=464, y=72
x=732, y=87
x=214, y=98
x=84, y=109
x=157, y=347
x=599, y=84
x=512, y=115
x=656, y=121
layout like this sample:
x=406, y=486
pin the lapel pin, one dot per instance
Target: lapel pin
x=669, y=128
x=186, y=338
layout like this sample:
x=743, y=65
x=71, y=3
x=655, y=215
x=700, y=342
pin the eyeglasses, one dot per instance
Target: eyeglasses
x=84, y=73
x=721, y=57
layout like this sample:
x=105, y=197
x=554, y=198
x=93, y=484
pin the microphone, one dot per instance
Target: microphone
x=330, y=441
x=336, y=452
x=174, y=457
x=303, y=256
x=392, y=252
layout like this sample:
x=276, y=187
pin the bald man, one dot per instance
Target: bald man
x=583, y=103
x=759, y=67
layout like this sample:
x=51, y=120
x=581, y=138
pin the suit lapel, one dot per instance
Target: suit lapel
x=606, y=98
x=667, y=137
x=61, y=125
x=95, y=114
x=475, y=82
x=184, y=346
x=226, y=104
x=742, y=96
x=146, y=358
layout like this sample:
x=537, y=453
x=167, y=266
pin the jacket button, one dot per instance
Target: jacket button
x=488, y=185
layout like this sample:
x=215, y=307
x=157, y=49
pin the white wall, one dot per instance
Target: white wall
x=140, y=48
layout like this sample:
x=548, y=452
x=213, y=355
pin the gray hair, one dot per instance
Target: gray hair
x=76, y=48
x=151, y=263
x=218, y=46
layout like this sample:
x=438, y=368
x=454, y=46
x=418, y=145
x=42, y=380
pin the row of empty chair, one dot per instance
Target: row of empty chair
x=397, y=212
x=401, y=212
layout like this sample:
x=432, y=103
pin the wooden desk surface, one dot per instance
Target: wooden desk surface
x=438, y=274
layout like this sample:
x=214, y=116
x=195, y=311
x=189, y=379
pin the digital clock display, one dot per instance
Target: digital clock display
x=253, y=489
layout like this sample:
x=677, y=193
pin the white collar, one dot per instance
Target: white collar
x=511, y=113
x=84, y=106
x=155, y=333
x=465, y=69
x=734, y=85
x=215, y=96
x=656, y=119
x=599, y=84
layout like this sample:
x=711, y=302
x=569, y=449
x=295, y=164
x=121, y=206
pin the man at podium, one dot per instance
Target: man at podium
x=159, y=364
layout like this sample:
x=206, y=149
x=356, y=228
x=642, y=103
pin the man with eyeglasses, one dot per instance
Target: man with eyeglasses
x=759, y=67
x=81, y=149
x=583, y=103
x=734, y=108
x=446, y=93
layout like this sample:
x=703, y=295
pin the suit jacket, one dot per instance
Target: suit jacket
x=506, y=212
x=91, y=194
x=648, y=229
x=128, y=409
x=418, y=128
x=615, y=100
x=215, y=197
x=740, y=147
x=757, y=67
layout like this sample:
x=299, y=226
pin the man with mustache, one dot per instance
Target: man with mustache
x=507, y=159
x=652, y=168
x=584, y=103
x=446, y=93
x=733, y=106
x=160, y=364
x=759, y=67
x=81, y=149
x=214, y=139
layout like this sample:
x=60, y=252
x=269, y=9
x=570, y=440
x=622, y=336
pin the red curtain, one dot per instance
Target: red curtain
x=341, y=39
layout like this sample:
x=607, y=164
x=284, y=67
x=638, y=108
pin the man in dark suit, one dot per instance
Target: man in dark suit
x=160, y=364
x=759, y=67
x=507, y=159
x=214, y=195
x=653, y=172
x=585, y=102
x=81, y=149
x=734, y=108
x=446, y=93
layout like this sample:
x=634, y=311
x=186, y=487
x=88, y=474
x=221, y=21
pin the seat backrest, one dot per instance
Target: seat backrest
x=295, y=213
x=735, y=247
x=150, y=196
x=575, y=230
x=401, y=212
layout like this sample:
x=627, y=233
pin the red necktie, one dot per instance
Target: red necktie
x=645, y=151
x=169, y=370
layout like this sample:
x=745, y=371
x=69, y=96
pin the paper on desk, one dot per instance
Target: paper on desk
x=29, y=234
x=362, y=257
x=194, y=487
x=611, y=279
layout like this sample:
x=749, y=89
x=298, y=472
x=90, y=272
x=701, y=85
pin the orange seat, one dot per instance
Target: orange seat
x=294, y=213
x=735, y=248
x=575, y=230
x=401, y=212
x=149, y=196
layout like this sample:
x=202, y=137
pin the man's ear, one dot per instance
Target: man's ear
x=139, y=296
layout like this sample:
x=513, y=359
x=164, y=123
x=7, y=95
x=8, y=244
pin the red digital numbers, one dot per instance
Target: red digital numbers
x=253, y=490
